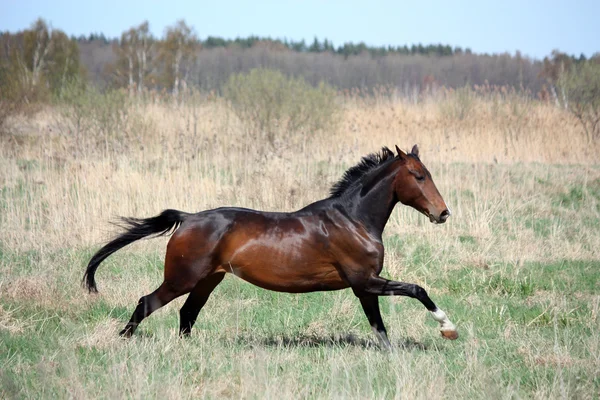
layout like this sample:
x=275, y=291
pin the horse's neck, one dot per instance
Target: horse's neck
x=374, y=203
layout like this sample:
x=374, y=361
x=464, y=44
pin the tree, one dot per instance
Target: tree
x=39, y=60
x=63, y=65
x=581, y=88
x=134, y=58
x=143, y=45
x=328, y=46
x=177, y=53
x=315, y=47
x=298, y=46
x=35, y=64
x=37, y=46
x=554, y=66
x=125, y=59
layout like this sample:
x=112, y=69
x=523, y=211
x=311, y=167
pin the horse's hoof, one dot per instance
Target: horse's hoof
x=451, y=335
x=126, y=333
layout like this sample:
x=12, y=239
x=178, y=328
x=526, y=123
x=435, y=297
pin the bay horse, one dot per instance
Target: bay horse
x=332, y=244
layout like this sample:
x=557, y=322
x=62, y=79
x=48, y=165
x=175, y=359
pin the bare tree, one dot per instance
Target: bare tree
x=554, y=67
x=40, y=60
x=178, y=53
x=580, y=90
x=143, y=45
x=127, y=52
x=134, y=58
x=37, y=42
x=63, y=63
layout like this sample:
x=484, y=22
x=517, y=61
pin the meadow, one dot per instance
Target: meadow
x=516, y=267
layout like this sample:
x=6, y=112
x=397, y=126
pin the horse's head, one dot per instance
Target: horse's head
x=415, y=188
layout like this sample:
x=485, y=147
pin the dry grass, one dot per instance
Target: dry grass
x=200, y=156
x=520, y=177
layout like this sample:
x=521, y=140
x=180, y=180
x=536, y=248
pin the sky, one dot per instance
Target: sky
x=533, y=27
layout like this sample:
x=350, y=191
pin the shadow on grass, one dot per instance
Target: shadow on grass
x=326, y=341
x=304, y=340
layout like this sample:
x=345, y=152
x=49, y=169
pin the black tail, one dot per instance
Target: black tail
x=162, y=224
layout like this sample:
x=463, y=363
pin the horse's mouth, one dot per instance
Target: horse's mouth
x=429, y=215
x=432, y=219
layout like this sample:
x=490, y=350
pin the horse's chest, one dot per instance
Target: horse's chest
x=358, y=249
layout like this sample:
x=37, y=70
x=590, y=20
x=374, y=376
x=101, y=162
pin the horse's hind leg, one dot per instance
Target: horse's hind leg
x=150, y=303
x=186, y=264
x=196, y=300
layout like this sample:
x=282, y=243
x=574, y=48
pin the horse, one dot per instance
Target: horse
x=332, y=244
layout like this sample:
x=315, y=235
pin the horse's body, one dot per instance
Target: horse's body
x=288, y=252
x=332, y=244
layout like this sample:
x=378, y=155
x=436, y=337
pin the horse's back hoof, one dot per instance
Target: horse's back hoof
x=126, y=333
x=450, y=334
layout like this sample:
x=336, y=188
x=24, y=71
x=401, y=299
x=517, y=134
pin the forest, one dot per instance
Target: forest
x=180, y=59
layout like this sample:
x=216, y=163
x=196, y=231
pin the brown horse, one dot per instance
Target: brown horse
x=332, y=244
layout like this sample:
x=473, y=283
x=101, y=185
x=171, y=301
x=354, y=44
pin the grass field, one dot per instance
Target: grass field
x=517, y=267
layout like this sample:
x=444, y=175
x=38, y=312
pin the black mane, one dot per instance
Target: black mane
x=366, y=164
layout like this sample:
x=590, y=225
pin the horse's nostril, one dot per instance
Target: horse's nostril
x=444, y=215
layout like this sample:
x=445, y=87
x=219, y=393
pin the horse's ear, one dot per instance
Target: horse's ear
x=415, y=150
x=401, y=154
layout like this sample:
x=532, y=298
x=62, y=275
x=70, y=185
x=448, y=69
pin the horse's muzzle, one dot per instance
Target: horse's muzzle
x=444, y=216
x=441, y=218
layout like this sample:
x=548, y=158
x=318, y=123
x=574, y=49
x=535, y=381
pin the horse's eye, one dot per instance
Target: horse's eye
x=420, y=178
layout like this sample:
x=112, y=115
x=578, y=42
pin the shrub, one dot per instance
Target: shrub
x=18, y=96
x=271, y=103
x=458, y=103
x=580, y=87
x=97, y=118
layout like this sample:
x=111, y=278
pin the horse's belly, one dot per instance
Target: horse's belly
x=293, y=277
x=282, y=260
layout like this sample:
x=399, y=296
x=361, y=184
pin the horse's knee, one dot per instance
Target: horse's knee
x=420, y=293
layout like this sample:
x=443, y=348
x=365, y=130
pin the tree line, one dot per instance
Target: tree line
x=316, y=46
x=40, y=61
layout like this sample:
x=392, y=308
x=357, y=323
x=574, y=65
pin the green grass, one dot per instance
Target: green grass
x=524, y=331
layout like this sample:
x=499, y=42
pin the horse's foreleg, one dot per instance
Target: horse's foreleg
x=370, y=305
x=379, y=286
x=196, y=300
